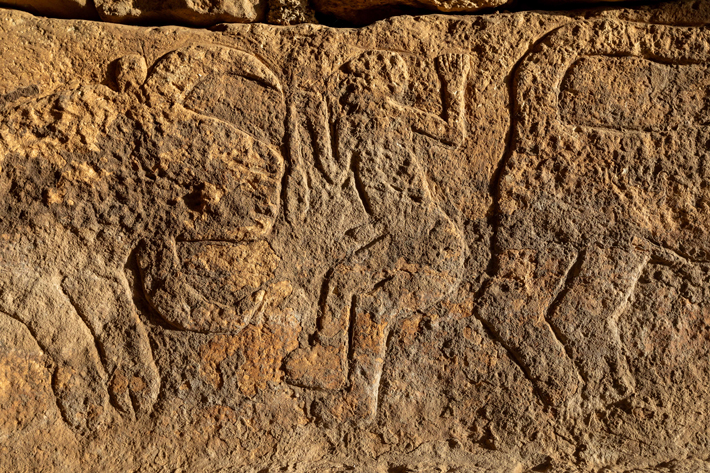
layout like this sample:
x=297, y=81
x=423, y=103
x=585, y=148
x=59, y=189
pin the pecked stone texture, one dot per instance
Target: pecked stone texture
x=432, y=244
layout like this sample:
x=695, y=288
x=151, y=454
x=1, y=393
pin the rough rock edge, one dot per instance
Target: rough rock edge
x=292, y=12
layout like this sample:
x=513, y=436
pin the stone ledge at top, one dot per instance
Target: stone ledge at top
x=191, y=12
x=285, y=12
x=69, y=9
x=365, y=11
x=471, y=242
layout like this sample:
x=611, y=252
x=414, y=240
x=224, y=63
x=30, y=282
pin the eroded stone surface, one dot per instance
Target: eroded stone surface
x=290, y=12
x=469, y=243
x=278, y=12
x=190, y=12
x=364, y=11
x=56, y=8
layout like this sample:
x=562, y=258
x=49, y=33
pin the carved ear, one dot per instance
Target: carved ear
x=130, y=72
x=224, y=83
x=175, y=75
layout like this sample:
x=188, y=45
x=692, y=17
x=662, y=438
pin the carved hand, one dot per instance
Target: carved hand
x=453, y=68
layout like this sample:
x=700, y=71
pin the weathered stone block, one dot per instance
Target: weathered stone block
x=472, y=243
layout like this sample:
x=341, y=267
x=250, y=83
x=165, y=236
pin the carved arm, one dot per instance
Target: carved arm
x=451, y=130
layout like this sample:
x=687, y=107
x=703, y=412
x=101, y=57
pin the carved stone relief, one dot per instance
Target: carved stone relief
x=304, y=249
x=595, y=188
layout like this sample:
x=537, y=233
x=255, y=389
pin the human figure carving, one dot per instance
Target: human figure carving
x=411, y=254
x=580, y=211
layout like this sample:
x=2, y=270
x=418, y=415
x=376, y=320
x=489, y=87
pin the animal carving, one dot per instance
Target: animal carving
x=600, y=183
x=222, y=169
x=162, y=162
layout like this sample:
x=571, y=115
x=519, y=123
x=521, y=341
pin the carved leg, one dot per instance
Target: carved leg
x=324, y=365
x=398, y=288
x=373, y=320
x=587, y=315
x=105, y=305
x=515, y=308
x=79, y=379
x=375, y=314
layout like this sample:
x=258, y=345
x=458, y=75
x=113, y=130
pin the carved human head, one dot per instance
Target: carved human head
x=381, y=71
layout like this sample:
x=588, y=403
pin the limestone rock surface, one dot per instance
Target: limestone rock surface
x=281, y=12
x=56, y=8
x=290, y=12
x=437, y=243
x=364, y=11
x=190, y=12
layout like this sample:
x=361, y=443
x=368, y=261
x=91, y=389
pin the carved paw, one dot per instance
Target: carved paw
x=81, y=395
x=209, y=287
x=134, y=389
